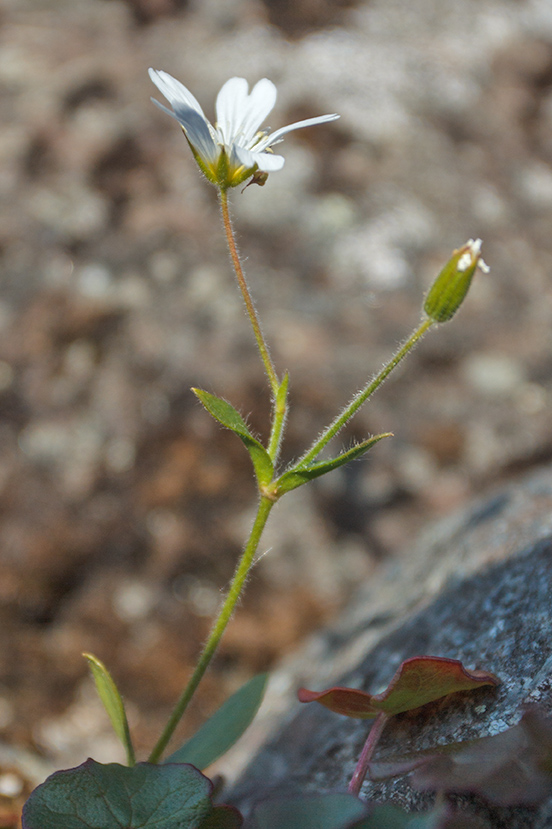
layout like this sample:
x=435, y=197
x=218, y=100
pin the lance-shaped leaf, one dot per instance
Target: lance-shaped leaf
x=318, y=811
x=299, y=475
x=113, y=703
x=231, y=419
x=418, y=681
x=96, y=796
x=510, y=769
x=221, y=731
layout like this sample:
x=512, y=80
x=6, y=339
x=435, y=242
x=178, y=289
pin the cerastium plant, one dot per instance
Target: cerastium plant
x=173, y=792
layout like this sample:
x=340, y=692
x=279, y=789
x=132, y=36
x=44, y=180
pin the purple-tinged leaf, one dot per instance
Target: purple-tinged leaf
x=509, y=769
x=418, y=681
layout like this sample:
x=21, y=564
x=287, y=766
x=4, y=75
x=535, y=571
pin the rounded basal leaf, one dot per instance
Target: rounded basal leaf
x=319, y=811
x=221, y=731
x=96, y=796
x=418, y=681
x=223, y=817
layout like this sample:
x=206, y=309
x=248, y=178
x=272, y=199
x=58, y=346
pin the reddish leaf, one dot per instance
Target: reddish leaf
x=509, y=769
x=418, y=681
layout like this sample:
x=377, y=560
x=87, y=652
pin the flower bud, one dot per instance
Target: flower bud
x=447, y=293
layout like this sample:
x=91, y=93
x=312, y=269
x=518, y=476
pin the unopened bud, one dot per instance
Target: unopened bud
x=447, y=293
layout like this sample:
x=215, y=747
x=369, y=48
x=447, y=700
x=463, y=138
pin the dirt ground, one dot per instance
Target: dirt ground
x=123, y=507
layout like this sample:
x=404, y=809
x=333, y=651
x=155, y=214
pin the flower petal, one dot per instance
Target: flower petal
x=174, y=91
x=196, y=128
x=298, y=125
x=259, y=104
x=231, y=108
x=266, y=162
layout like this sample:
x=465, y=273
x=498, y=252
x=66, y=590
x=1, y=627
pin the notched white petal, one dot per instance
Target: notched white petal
x=266, y=162
x=298, y=125
x=196, y=129
x=259, y=105
x=173, y=90
x=231, y=107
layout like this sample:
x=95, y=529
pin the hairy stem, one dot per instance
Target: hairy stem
x=363, y=395
x=250, y=307
x=238, y=581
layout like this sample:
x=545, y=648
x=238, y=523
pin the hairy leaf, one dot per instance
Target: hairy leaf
x=317, y=811
x=510, y=768
x=221, y=731
x=231, y=419
x=300, y=475
x=418, y=681
x=96, y=796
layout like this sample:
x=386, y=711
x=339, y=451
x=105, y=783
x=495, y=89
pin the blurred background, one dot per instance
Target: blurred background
x=123, y=506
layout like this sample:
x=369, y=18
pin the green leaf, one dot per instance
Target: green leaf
x=385, y=817
x=221, y=731
x=319, y=811
x=511, y=768
x=231, y=419
x=282, y=393
x=96, y=796
x=440, y=817
x=418, y=680
x=299, y=475
x=223, y=817
x=113, y=703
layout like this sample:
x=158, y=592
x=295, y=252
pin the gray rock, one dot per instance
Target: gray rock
x=476, y=588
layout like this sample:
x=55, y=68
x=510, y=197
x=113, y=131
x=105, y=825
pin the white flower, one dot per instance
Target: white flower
x=472, y=253
x=235, y=148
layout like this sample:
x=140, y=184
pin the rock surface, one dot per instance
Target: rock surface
x=476, y=588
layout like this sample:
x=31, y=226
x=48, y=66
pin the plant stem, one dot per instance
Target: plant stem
x=366, y=755
x=250, y=307
x=225, y=614
x=363, y=395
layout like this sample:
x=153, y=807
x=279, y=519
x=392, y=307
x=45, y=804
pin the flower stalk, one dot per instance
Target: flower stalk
x=225, y=614
x=246, y=294
x=362, y=396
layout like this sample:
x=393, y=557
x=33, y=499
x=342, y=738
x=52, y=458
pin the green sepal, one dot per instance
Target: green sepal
x=224, y=728
x=231, y=419
x=207, y=170
x=113, y=703
x=300, y=475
